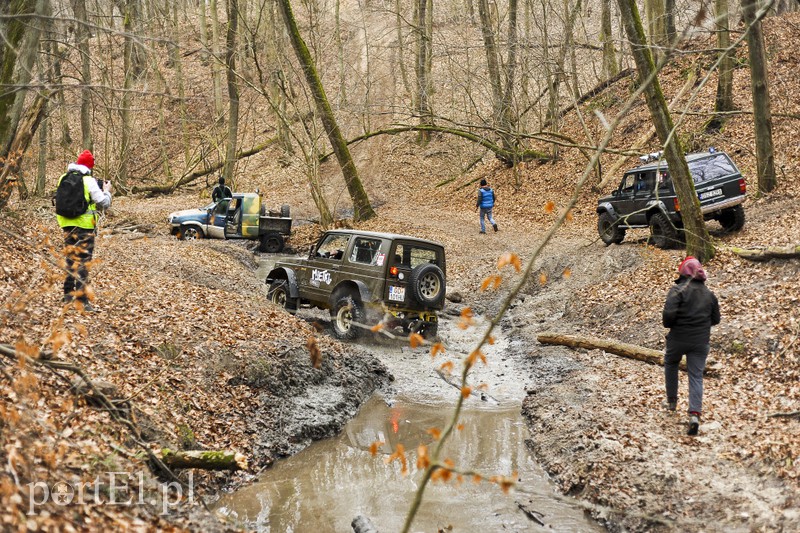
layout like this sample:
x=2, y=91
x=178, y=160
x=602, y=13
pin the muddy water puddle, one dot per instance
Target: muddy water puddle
x=331, y=482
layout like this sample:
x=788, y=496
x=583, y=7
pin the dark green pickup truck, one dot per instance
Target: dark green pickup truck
x=646, y=198
x=363, y=278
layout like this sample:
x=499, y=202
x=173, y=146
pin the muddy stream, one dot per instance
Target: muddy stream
x=325, y=486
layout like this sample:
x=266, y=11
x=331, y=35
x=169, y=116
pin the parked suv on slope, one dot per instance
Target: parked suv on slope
x=646, y=197
x=365, y=277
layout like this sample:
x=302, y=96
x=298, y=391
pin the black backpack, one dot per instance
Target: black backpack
x=70, y=200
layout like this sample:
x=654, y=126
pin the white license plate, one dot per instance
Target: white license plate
x=710, y=194
x=397, y=294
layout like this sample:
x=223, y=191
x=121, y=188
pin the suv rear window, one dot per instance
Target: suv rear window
x=711, y=168
x=366, y=251
x=411, y=256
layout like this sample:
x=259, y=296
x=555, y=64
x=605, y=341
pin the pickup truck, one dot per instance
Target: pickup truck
x=646, y=198
x=241, y=217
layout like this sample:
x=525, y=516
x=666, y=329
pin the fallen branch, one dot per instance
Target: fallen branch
x=794, y=414
x=450, y=380
x=204, y=459
x=533, y=515
x=765, y=253
x=631, y=351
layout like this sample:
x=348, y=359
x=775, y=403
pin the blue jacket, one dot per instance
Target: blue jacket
x=485, y=198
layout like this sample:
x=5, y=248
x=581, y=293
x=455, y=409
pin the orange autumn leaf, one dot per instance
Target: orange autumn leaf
x=466, y=391
x=437, y=349
x=476, y=478
x=542, y=278
x=549, y=207
x=569, y=216
x=493, y=281
x=447, y=367
x=460, y=427
x=415, y=339
x=58, y=339
x=400, y=455
x=490, y=340
x=567, y=273
x=377, y=327
x=509, y=258
x=375, y=446
x=474, y=356
x=423, y=460
x=314, y=352
x=436, y=433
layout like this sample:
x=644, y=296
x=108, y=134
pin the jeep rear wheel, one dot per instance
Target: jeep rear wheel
x=609, y=230
x=279, y=295
x=427, y=284
x=344, y=315
x=731, y=219
x=663, y=233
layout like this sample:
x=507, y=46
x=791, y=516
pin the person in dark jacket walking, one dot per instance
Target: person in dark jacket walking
x=221, y=191
x=690, y=311
x=486, y=201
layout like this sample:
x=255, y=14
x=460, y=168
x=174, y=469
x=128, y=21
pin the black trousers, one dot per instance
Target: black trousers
x=78, y=250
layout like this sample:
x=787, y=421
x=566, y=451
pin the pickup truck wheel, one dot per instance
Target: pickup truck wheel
x=731, y=219
x=279, y=295
x=343, y=315
x=663, y=233
x=609, y=230
x=271, y=243
x=191, y=233
x=427, y=284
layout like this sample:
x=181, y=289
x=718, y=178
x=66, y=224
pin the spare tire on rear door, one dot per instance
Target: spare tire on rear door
x=427, y=284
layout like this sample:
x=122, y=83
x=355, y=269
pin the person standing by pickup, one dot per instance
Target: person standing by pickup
x=78, y=198
x=221, y=191
x=689, y=311
x=486, y=201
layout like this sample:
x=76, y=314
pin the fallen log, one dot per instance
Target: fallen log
x=631, y=351
x=204, y=459
x=765, y=253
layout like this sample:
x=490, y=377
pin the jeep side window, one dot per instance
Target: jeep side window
x=333, y=246
x=365, y=251
x=644, y=183
x=628, y=183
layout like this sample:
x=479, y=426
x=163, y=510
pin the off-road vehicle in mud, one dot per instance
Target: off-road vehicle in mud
x=646, y=197
x=364, y=278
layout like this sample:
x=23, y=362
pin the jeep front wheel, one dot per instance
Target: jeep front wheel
x=663, y=232
x=609, y=230
x=427, y=284
x=279, y=295
x=731, y=219
x=345, y=314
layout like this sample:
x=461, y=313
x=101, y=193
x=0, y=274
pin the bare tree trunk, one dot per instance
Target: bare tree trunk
x=669, y=20
x=362, y=210
x=178, y=64
x=724, y=99
x=423, y=104
x=127, y=7
x=400, y=49
x=610, y=64
x=82, y=33
x=656, y=27
x=759, y=82
x=203, y=31
x=9, y=171
x=233, y=92
x=216, y=70
x=492, y=59
x=698, y=242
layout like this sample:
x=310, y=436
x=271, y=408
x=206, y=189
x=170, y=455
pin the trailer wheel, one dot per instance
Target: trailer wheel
x=271, y=243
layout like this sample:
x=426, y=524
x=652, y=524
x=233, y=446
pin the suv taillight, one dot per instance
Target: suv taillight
x=676, y=203
x=393, y=271
x=742, y=186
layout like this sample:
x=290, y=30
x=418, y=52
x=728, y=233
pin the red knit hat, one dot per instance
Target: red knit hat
x=86, y=159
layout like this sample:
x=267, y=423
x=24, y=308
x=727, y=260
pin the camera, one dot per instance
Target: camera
x=100, y=183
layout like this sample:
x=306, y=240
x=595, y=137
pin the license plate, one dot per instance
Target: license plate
x=397, y=294
x=710, y=194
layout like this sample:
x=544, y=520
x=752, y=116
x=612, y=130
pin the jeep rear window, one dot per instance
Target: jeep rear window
x=711, y=168
x=365, y=251
x=411, y=256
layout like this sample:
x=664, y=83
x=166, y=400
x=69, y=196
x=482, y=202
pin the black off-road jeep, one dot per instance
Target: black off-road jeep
x=364, y=277
x=646, y=197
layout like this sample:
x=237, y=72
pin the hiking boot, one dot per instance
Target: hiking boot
x=483, y=233
x=694, y=424
x=671, y=405
x=68, y=298
x=494, y=226
x=86, y=307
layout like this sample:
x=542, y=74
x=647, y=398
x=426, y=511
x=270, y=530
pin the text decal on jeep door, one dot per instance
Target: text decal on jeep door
x=320, y=276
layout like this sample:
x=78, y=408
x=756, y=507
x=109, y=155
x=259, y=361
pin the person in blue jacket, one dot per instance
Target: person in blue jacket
x=486, y=201
x=689, y=312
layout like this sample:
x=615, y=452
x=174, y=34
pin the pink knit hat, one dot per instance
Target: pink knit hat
x=692, y=268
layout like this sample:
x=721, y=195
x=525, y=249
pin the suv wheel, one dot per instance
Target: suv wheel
x=663, y=232
x=427, y=284
x=279, y=295
x=343, y=315
x=732, y=219
x=609, y=230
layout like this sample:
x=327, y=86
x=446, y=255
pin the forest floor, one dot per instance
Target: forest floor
x=200, y=360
